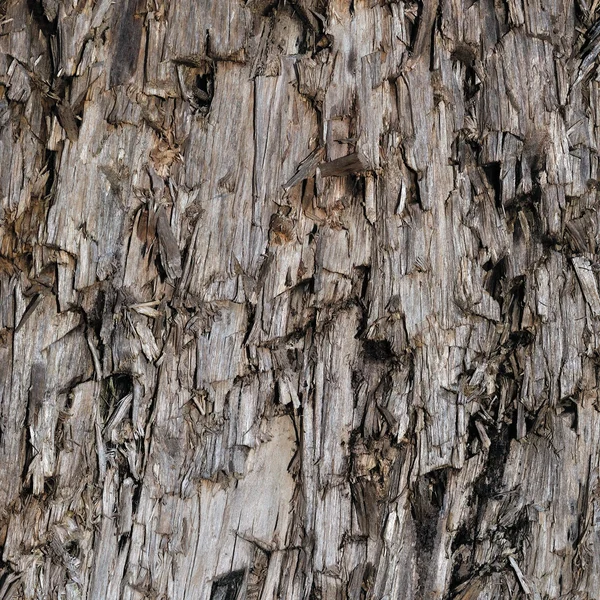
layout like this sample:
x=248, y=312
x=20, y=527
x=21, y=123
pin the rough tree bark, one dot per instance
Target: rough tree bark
x=299, y=299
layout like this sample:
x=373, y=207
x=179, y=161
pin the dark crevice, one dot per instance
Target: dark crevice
x=50, y=161
x=361, y=285
x=228, y=587
x=522, y=337
x=518, y=531
x=472, y=436
x=471, y=87
x=36, y=9
x=135, y=500
x=94, y=317
x=415, y=26
x=378, y=350
x=466, y=54
x=463, y=549
x=49, y=486
x=123, y=539
x=568, y=409
x=200, y=83
x=315, y=592
x=518, y=173
x=6, y=572
x=366, y=275
x=427, y=500
x=489, y=483
x=432, y=32
x=492, y=173
x=204, y=86
x=114, y=388
x=494, y=279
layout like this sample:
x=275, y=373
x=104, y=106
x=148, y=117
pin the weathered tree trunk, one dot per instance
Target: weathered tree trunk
x=299, y=299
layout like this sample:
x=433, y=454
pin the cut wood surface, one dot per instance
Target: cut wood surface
x=299, y=299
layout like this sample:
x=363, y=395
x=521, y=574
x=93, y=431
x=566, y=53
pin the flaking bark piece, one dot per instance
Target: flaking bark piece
x=346, y=165
x=169, y=249
x=66, y=118
x=306, y=168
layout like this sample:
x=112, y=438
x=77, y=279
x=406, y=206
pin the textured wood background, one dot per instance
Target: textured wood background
x=299, y=299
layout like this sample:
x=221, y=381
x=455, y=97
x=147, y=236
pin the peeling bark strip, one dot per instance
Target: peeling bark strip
x=299, y=300
x=169, y=250
x=345, y=165
x=66, y=118
x=307, y=168
x=128, y=34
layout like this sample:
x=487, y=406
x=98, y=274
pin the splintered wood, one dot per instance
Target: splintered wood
x=299, y=300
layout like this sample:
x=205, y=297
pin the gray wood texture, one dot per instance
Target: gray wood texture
x=299, y=300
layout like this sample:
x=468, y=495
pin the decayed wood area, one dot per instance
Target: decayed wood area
x=299, y=299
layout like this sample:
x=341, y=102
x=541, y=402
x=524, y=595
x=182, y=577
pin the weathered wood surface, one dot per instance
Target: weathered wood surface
x=299, y=299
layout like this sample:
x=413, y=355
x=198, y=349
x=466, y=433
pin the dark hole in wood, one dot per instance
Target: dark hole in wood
x=202, y=87
x=69, y=401
x=50, y=159
x=492, y=173
x=227, y=587
x=114, y=388
x=49, y=486
x=380, y=350
x=494, y=279
x=517, y=289
x=463, y=537
x=202, y=83
x=471, y=87
x=414, y=29
x=518, y=173
x=122, y=384
x=538, y=164
x=567, y=408
x=414, y=193
x=36, y=9
x=365, y=274
x=438, y=480
x=94, y=317
x=573, y=532
x=276, y=395
x=521, y=337
x=135, y=501
x=472, y=435
x=293, y=357
x=72, y=548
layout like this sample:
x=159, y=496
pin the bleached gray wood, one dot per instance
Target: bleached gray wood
x=299, y=299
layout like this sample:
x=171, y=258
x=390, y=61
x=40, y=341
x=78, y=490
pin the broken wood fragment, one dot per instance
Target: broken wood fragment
x=346, y=165
x=169, y=249
x=374, y=375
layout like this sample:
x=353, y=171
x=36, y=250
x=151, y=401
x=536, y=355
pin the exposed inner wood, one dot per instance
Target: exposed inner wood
x=299, y=299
